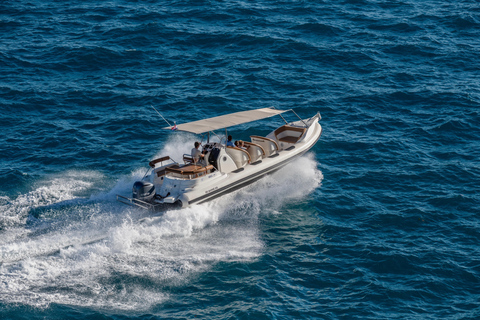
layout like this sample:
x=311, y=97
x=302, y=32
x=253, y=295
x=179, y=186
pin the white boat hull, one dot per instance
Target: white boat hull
x=236, y=180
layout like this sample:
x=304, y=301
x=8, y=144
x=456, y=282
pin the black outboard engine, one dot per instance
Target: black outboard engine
x=143, y=190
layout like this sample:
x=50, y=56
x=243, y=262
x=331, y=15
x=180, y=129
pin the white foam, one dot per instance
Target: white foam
x=293, y=182
x=164, y=251
x=53, y=190
x=133, y=264
x=177, y=145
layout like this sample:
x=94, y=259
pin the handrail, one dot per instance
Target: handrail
x=154, y=162
x=306, y=126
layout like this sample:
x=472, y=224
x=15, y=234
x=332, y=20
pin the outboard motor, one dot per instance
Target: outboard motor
x=143, y=190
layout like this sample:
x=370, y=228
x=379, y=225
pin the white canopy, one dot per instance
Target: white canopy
x=227, y=120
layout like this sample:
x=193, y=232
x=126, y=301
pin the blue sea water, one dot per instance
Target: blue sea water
x=380, y=220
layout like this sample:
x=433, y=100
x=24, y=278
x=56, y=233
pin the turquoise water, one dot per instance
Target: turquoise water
x=378, y=221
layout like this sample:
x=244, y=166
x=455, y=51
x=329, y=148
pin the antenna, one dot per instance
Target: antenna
x=161, y=116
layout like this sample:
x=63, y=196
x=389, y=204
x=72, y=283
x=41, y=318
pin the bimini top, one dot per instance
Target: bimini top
x=227, y=120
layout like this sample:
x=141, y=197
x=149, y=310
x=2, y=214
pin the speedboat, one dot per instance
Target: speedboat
x=222, y=168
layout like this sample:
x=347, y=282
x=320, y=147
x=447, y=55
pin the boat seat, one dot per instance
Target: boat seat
x=240, y=156
x=187, y=159
x=256, y=151
x=163, y=171
x=288, y=139
x=191, y=170
x=268, y=145
x=289, y=134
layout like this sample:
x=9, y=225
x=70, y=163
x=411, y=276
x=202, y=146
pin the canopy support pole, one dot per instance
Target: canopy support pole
x=226, y=138
x=283, y=118
x=306, y=126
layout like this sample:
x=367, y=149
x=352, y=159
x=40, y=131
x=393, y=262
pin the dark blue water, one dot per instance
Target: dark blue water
x=379, y=221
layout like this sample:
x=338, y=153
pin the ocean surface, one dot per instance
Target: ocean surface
x=380, y=220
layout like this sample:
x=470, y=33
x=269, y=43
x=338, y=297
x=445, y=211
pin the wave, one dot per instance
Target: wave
x=65, y=246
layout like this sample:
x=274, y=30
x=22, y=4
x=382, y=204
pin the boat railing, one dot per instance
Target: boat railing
x=314, y=118
x=153, y=163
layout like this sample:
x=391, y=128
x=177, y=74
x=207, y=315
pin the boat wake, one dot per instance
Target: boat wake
x=59, y=243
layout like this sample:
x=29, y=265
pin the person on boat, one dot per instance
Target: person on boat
x=229, y=142
x=240, y=144
x=197, y=155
